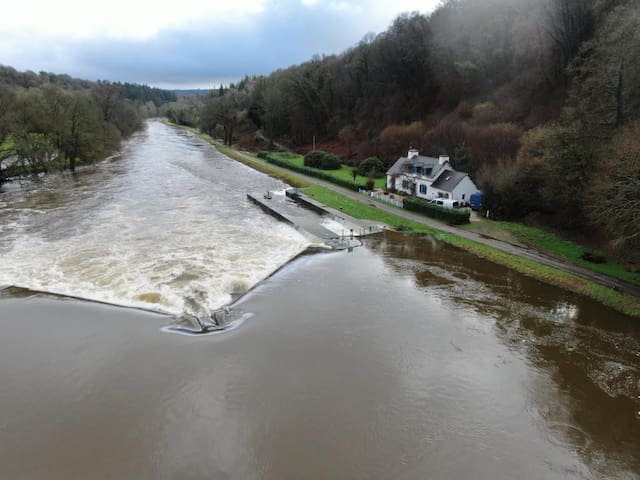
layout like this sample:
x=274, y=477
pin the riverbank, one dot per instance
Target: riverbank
x=545, y=270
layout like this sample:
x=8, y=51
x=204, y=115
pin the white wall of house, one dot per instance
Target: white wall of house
x=463, y=191
x=426, y=187
x=400, y=179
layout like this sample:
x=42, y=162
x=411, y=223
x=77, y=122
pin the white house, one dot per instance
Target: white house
x=428, y=177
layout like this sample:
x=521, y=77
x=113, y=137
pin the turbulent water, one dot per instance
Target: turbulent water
x=164, y=225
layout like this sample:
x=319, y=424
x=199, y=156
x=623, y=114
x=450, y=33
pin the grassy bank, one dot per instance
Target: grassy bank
x=626, y=304
x=7, y=148
x=344, y=173
x=553, y=244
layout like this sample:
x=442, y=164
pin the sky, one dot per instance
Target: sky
x=187, y=43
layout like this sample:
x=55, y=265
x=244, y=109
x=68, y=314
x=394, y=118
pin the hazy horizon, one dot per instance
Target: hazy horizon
x=201, y=45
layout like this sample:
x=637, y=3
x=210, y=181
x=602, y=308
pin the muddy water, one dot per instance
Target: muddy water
x=405, y=359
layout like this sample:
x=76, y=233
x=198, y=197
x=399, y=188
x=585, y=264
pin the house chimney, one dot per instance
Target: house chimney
x=412, y=153
x=443, y=159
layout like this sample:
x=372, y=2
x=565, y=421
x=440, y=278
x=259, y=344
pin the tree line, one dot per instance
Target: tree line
x=537, y=100
x=53, y=122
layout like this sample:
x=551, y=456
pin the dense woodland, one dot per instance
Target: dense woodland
x=536, y=99
x=52, y=122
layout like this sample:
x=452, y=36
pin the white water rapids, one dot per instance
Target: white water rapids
x=165, y=225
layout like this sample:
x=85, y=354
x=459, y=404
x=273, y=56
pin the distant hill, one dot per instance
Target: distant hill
x=192, y=92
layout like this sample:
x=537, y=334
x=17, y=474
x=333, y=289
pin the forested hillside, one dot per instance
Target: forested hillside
x=51, y=122
x=537, y=99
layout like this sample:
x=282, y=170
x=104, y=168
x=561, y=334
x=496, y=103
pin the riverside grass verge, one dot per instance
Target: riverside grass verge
x=555, y=245
x=620, y=302
x=343, y=174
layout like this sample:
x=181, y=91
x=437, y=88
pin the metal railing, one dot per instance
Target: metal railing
x=382, y=198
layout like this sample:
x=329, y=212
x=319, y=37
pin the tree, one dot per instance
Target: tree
x=7, y=99
x=607, y=74
x=569, y=24
x=227, y=110
x=273, y=108
x=84, y=135
x=371, y=167
x=107, y=96
x=396, y=139
x=614, y=201
x=568, y=169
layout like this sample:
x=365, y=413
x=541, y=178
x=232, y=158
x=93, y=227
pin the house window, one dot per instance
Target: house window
x=423, y=189
x=463, y=196
x=427, y=171
x=405, y=185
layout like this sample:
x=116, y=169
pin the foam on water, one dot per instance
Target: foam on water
x=167, y=227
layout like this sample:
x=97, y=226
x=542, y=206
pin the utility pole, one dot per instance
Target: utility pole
x=314, y=143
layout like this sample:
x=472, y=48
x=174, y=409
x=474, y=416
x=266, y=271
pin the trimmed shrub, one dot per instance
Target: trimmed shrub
x=450, y=215
x=371, y=166
x=370, y=184
x=322, y=160
x=593, y=257
x=313, y=173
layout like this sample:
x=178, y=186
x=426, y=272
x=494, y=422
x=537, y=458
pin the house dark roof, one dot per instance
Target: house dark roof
x=405, y=165
x=448, y=180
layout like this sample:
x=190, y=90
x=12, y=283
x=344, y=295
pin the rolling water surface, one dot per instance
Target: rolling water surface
x=404, y=359
x=165, y=225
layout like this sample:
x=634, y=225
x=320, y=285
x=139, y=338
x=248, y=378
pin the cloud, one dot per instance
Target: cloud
x=133, y=19
x=195, y=43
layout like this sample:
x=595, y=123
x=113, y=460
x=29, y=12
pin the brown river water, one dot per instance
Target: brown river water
x=404, y=359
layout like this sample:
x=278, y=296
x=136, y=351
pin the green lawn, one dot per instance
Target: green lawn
x=344, y=173
x=7, y=148
x=552, y=244
x=363, y=210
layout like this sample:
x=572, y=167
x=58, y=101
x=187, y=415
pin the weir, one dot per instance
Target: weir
x=329, y=228
x=187, y=324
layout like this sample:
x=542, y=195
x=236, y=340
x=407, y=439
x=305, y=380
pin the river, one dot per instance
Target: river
x=165, y=225
x=404, y=359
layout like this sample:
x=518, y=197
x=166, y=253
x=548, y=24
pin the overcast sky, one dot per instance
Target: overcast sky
x=188, y=43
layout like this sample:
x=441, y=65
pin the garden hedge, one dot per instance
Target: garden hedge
x=322, y=160
x=312, y=172
x=455, y=216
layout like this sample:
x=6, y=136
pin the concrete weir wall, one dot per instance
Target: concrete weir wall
x=308, y=203
x=267, y=209
x=311, y=217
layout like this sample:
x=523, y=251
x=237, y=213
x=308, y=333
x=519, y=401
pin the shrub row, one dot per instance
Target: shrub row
x=312, y=172
x=322, y=160
x=450, y=215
